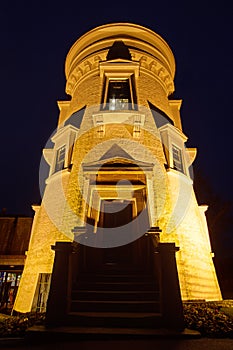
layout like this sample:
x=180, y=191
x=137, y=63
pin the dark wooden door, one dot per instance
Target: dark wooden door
x=131, y=256
x=116, y=214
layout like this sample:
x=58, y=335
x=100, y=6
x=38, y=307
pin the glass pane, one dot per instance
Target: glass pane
x=18, y=280
x=116, y=104
x=119, y=95
x=43, y=291
x=60, y=158
x=177, y=159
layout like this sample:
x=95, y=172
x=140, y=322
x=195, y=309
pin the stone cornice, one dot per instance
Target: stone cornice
x=135, y=35
x=146, y=47
x=147, y=64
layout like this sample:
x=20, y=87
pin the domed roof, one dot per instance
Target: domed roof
x=133, y=36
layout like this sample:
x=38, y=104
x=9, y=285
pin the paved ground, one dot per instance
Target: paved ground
x=121, y=344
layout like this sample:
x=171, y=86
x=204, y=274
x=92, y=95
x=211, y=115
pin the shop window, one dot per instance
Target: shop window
x=9, y=283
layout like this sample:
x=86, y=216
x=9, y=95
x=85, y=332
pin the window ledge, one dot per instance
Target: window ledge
x=118, y=117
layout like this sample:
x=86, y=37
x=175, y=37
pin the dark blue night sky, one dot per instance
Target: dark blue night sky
x=35, y=38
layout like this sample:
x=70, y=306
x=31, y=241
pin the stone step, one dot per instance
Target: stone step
x=115, y=319
x=116, y=277
x=115, y=295
x=115, y=285
x=115, y=306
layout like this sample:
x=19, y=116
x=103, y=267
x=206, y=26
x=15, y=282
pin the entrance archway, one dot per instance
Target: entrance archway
x=117, y=210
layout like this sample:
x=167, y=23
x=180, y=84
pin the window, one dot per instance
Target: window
x=119, y=94
x=60, y=159
x=42, y=292
x=177, y=159
x=9, y=282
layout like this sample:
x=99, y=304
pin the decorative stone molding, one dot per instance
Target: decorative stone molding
x=118, y=117
x=81, y=70
x=146, y=48
x=159, y=71
x=191, y=155
x=138, y=122
x=153, y=66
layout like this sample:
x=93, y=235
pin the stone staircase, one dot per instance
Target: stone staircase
x=115, y=299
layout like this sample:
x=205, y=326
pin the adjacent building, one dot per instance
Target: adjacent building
x=14, y=239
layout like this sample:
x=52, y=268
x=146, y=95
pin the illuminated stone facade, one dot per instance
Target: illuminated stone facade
x=98, y=130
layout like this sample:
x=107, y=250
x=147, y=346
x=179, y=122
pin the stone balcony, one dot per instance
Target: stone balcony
x=132, y=117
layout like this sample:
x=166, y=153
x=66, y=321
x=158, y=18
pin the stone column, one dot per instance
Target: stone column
x=172, y=307
x=57, y=305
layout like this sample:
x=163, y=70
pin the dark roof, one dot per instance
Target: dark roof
x=14, y=235
x=118, y=50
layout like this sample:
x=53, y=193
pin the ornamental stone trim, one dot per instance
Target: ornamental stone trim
x=91, y=65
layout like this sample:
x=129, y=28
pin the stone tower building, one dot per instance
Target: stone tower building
x=119, y=168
